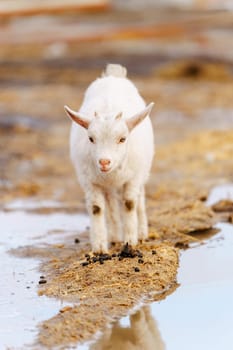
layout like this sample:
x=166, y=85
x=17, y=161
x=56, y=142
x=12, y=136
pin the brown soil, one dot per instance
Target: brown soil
x=104, y=291
x=224, y=210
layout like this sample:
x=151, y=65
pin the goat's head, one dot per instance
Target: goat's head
x=108, y=137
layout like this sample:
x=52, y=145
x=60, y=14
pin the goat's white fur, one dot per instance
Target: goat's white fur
x=114, y=117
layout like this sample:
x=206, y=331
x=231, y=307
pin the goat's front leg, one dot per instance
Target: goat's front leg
x=113, y=217
x=95, y=202
x=130, y=198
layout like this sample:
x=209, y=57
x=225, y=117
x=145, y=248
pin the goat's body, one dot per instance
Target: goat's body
x=107, y=96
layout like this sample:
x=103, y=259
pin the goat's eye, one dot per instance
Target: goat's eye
x=91, y=139
x=122, y=139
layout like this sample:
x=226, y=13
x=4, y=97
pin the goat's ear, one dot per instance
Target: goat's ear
x=77, y=117
x=137, y=118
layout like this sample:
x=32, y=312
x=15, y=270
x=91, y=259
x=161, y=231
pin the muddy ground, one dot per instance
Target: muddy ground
x=193, y=124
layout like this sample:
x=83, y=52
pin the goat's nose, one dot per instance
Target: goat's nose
x=104, y=162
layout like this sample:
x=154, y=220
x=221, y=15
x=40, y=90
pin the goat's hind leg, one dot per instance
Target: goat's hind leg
x=142, y=216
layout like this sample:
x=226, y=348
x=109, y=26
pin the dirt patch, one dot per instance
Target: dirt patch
x=225, y=205
x=224, y=210
x=105, y=291
x=196, y=69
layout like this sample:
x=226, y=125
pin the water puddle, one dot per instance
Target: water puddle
x=199, y=315
x=220, y=192
x=21, y=308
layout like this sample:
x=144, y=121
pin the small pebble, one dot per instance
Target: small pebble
x=77, y=240
x=153, y=251
x=140, y=261
x=120, y=258
x=85, y=263
x=94, y=259
x=101, y=261
x=87, y=256
x=114, y=255
x=42, y=277
x=136, y=269
x=42, y=281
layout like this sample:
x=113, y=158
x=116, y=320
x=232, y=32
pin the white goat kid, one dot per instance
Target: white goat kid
x=112, y=153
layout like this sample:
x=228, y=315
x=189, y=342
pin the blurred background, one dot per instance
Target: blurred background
x=179, y=53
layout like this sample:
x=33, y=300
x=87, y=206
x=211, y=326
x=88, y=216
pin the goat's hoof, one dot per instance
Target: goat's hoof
x=100, y=250
x=142, y=236
x=131, y=242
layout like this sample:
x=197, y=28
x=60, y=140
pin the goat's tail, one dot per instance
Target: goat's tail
x=115, y=70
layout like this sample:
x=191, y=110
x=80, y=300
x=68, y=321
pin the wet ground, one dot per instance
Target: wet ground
x=202, y=304
x=42, y=208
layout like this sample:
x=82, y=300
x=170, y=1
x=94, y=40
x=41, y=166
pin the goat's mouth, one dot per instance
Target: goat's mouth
x=105, y=170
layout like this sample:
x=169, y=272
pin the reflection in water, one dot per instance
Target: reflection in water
x=143, y=334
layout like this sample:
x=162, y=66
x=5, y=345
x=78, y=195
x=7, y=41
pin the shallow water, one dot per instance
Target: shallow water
x=21, y=308
x=224, y=191
x=199, y=315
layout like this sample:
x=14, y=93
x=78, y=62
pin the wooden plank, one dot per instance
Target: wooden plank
x=11, y=8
